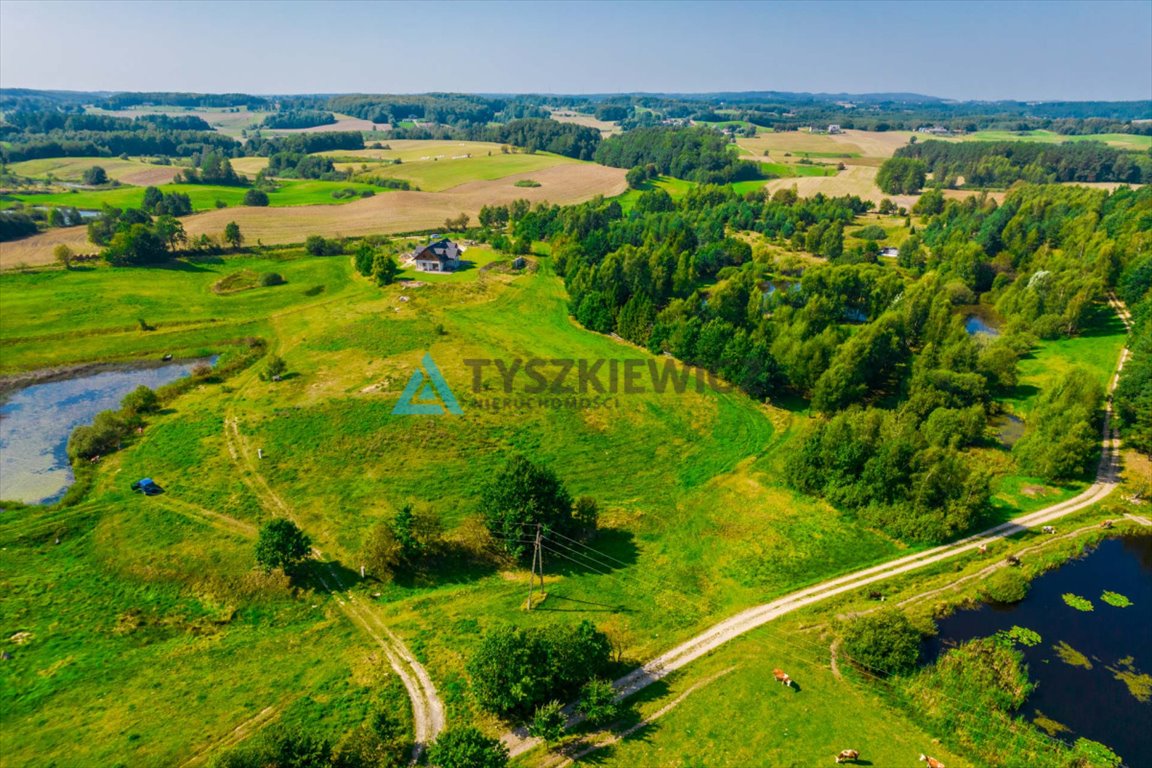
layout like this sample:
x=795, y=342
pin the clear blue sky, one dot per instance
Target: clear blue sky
x=968, y=50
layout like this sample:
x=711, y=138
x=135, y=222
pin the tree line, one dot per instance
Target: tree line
x=1002, y=163
x=694, y=154
x=298, y=118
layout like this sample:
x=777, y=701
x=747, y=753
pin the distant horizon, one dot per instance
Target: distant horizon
x=588, y=94
x=965, y=52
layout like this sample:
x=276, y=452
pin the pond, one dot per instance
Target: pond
x=36, y=420
x=1009, y=428
x=981, y=320
x=1092, y=668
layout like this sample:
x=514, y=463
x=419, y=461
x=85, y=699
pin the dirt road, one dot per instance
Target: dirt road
x=731, y=628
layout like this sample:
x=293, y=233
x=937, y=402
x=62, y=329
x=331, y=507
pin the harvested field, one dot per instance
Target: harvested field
x=415, y=150
x=796, y=142
x=135, y=172
x=36, y=251
x=249, y=166
x=343, y=123
x=859, y=180
x=408, y=211
x=454, y=170
x=566, y=116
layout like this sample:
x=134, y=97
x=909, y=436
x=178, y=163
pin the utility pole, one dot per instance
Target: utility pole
x=537, y=566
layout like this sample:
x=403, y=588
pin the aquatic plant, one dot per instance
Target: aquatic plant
x=1115, y=599
x=1077, y=602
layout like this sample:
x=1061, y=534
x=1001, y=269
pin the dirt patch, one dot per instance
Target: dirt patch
x=150, y=177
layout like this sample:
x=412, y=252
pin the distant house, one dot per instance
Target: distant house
x=834, y=128
x=437, y=256
x=893, y=252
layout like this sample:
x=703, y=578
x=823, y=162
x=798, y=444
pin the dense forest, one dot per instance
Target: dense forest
x=882, y=353
x=1002, y=163
x=298, y=118
x=33, y=135
x=695, y=154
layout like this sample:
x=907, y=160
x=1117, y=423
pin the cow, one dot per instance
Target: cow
x=1048, y=529
x=984, y=548
x=932, y=762
x=1106, y=524
x=846, y=755
x=1013, y=560
x=782, y=677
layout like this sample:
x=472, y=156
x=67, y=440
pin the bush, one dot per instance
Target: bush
x=271, y=278
x=95, y=176
x=884, y=642
x=598, y=702
x=281, y=545
x=318, y=245
x=1005, y=585
x=141, y=400
x=274, y=369
x=256, y=198
x=549, y=722
x=514, y=670
x=103, y=436
x=872, y=232
x=467, y=748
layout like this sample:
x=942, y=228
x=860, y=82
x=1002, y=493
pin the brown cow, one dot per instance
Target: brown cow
x=847, y=754
x=932, y=762
x=1106, y=524
x=782, y=677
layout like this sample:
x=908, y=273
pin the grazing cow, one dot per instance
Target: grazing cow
x=1048, y=529
x=984, y=548
x=847, y=754
x=1106, y=524
x=875, y=595
x=1013, y=560
x=932, y=762
x=782, y=677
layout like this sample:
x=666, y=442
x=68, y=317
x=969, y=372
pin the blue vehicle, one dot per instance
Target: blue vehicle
x=147, y=487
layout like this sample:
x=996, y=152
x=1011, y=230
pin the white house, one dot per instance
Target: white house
x=834, y=128
x=437, y=256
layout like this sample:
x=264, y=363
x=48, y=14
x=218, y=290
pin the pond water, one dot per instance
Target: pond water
x=1009, y=428
x=35, y=423
x=1092, y=667
x=981, y=320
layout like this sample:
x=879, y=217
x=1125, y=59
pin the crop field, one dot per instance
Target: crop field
x=401, y=211
x=223, y=119
x=414, y=150
x=136, y=172
x=1121, y=140
x=445, y=172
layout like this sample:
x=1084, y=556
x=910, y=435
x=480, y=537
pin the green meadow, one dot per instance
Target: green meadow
x=203, y=196
x=697, y=520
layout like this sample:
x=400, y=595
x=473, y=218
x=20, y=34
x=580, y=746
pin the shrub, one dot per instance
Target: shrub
x=514, y=670
x=318, y=245
x=95, y=176
x=1006, y=585
x=275, y=368
x=281, y=545
x=598, y=702
x=467, y=748
x=271, y=278
x=103, y=436
x=872, y=232
x=549, y=721
x=256, y=198
x=141, y=400
x=884, y=642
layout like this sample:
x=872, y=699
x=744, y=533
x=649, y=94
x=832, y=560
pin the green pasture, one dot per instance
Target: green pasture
x=203, y=196
x=1122, y=140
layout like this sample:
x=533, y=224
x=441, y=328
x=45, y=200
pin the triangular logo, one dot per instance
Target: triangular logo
x=427, y=394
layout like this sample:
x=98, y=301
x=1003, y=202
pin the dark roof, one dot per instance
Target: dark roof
x=437, y=250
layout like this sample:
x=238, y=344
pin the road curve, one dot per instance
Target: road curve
x=729, y=629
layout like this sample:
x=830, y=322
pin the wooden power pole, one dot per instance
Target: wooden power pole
x=537, y=566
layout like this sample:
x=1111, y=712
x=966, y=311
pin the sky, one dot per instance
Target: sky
x=1062, y=50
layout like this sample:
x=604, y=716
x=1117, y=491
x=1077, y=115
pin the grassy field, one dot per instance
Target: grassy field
x=204, y=196
x=414, y=151
x=696, y=518
x=1121, y=140
x=436, y=175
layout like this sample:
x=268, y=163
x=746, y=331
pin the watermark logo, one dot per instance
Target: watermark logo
x=427, y=393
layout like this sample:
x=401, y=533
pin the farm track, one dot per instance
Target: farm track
x=238, y=734
x=1107, y=478
x=427, y=708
